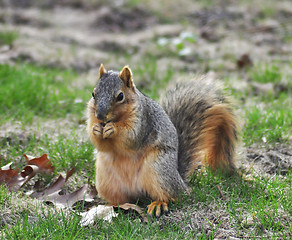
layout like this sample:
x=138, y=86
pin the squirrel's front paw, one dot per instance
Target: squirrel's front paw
x=97, y=129
x=108, y=130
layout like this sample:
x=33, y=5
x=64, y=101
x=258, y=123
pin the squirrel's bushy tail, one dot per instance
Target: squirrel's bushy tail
x=206, y=126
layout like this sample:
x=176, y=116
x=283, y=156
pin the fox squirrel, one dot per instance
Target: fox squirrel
x=144, y=149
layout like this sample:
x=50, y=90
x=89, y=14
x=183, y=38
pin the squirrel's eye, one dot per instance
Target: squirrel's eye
x=120, y=97
x=93, y=95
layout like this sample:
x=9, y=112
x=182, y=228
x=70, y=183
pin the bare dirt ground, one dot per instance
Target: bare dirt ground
x=82, y=34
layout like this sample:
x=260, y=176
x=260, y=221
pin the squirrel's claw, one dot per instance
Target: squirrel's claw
x=103, y=131
x=157, y=205
x=108, y=130
x=97, y=129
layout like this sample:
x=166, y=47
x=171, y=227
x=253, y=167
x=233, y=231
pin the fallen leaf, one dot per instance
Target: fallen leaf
x=16, y=181
x=42, y=162
x=54, y=189
x=7, y=166
x=69, y=173
x=244, y=61
x=37, y=185
x=128, y=206
x=6, y=175
x=68, y=200
x=28, y=157
x=100, y=212
x=29, y=170
x=11, y=177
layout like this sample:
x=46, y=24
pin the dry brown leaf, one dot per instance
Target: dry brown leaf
x=106, y=213
x=69, y=173
x=42, y=162
x=244, y=61
x=7, y=166
x=53, y=190
x=37, y=185
x=128, y=206
x=11, y=177
x=15, y=180
x=29, y=170
x=69, y=199
x=7, y=175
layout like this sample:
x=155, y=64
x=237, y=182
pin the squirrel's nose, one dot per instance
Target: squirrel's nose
x=101, y=112
x=101, y=116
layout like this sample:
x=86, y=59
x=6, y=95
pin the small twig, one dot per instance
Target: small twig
x=221, y=194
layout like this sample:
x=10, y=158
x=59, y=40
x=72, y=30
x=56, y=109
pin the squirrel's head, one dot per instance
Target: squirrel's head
x=113, y=95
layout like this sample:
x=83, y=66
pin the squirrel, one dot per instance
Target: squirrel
x=149, y=150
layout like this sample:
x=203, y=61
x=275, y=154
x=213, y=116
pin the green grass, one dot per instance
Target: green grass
x=266, y=73
x=269, y=123
x=8, y=37
x=69, y=152
x=50, y=224
x=264, y=199
x=55, y=225
x=27, y=91
x=268, y=201
x=267, y=115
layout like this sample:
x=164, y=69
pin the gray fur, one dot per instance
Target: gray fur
x=165, y=139
x=173, y=130
x=105, y=92
x=153, y=128
x=186, y=104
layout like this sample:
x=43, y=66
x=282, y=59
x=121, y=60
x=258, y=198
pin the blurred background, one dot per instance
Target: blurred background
x=158, y=39
x=50, y=52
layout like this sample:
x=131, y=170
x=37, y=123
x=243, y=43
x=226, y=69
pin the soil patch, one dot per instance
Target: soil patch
x=123, y=19
x=270, y=160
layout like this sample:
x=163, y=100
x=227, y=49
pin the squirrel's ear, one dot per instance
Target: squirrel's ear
x=102, y=71
x=127, y=77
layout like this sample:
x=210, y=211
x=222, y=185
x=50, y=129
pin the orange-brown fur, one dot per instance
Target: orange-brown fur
x=127, y=169
x=123, y=116
x=122, y=173
x=219, y=120
x=119, y=178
